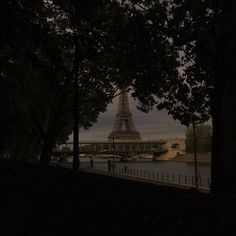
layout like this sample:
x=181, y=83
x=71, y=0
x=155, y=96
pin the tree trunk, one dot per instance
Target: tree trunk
x=224, y=140
x=224, y=113
x=46, y=151
x=195, y=155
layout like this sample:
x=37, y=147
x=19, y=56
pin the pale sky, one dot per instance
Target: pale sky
x=152, y=126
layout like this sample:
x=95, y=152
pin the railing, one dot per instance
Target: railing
x=164, y=177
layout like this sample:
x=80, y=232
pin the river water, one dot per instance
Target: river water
x=172, y=167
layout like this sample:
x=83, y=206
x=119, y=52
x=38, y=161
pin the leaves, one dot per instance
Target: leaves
x=38, y=63
x=171, y=73
x=203, y=138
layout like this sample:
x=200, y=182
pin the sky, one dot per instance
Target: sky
x=154, y=125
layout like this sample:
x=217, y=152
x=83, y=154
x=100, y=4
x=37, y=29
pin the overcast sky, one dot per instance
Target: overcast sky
x=152, y=126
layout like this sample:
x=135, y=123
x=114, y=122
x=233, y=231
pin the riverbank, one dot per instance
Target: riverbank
x=140, y=160
x=189, y=157
x=105, y=159
x=43, y=201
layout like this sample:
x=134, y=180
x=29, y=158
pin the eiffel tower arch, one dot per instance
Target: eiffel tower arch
x=124, y=128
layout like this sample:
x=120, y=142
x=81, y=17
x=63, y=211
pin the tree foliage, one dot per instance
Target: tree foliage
x=165, y=71
x=203, y=139
x=202, y=35
x=37, y=65
x=177, y=55
x=208, y=26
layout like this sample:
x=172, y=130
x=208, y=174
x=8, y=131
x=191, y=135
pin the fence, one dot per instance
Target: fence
x=164, y=177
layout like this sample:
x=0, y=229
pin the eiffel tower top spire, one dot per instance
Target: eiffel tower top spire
x=124, y=128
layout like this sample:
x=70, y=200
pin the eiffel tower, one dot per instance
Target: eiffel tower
x=124, y=128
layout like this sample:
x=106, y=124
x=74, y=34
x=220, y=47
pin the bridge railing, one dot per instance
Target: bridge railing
x=165, y=177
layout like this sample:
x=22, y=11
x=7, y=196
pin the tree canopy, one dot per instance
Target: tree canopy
x=202, y=35
x=37, y=63
x=176, y=55
x=203, y=139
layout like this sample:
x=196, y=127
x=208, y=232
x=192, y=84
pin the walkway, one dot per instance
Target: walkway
x=154, y=177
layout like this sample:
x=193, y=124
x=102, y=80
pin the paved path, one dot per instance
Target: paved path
x=142, y=179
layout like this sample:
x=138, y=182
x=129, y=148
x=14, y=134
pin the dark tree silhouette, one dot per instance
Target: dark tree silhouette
x=171, y=52
x=37, y=55
x=204, y=137
x=200, y=35
x=208, y=28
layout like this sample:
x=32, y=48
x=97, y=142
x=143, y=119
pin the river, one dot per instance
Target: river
x=172, y=167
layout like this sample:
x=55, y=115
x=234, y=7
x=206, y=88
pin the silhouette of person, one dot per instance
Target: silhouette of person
x=109, y=165
x=113, y=166
x=91, y=163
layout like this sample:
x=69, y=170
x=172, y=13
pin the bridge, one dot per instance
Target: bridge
x=122, y=148
x=124, y=140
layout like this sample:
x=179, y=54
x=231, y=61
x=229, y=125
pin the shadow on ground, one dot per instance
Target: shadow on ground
x=54, y=201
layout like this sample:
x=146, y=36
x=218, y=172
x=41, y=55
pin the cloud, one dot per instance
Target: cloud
x=153, y=125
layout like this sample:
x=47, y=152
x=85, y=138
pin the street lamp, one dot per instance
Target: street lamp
x=196, y=172
x=76, y=161
x=113, y=153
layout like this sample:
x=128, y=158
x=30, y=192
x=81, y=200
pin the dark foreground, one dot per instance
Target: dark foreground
x=52, y=201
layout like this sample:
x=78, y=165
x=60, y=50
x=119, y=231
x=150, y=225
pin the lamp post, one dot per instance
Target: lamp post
x=113, y=153
x=195, y=155
x=78, y=57
x=76, y=160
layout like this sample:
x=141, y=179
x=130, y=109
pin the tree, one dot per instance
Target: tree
x=31, y=67
x=208, y=26
x=37, y=64
x=203, y=138
x=201, y=36
x=169, y=78
x=90, y=25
